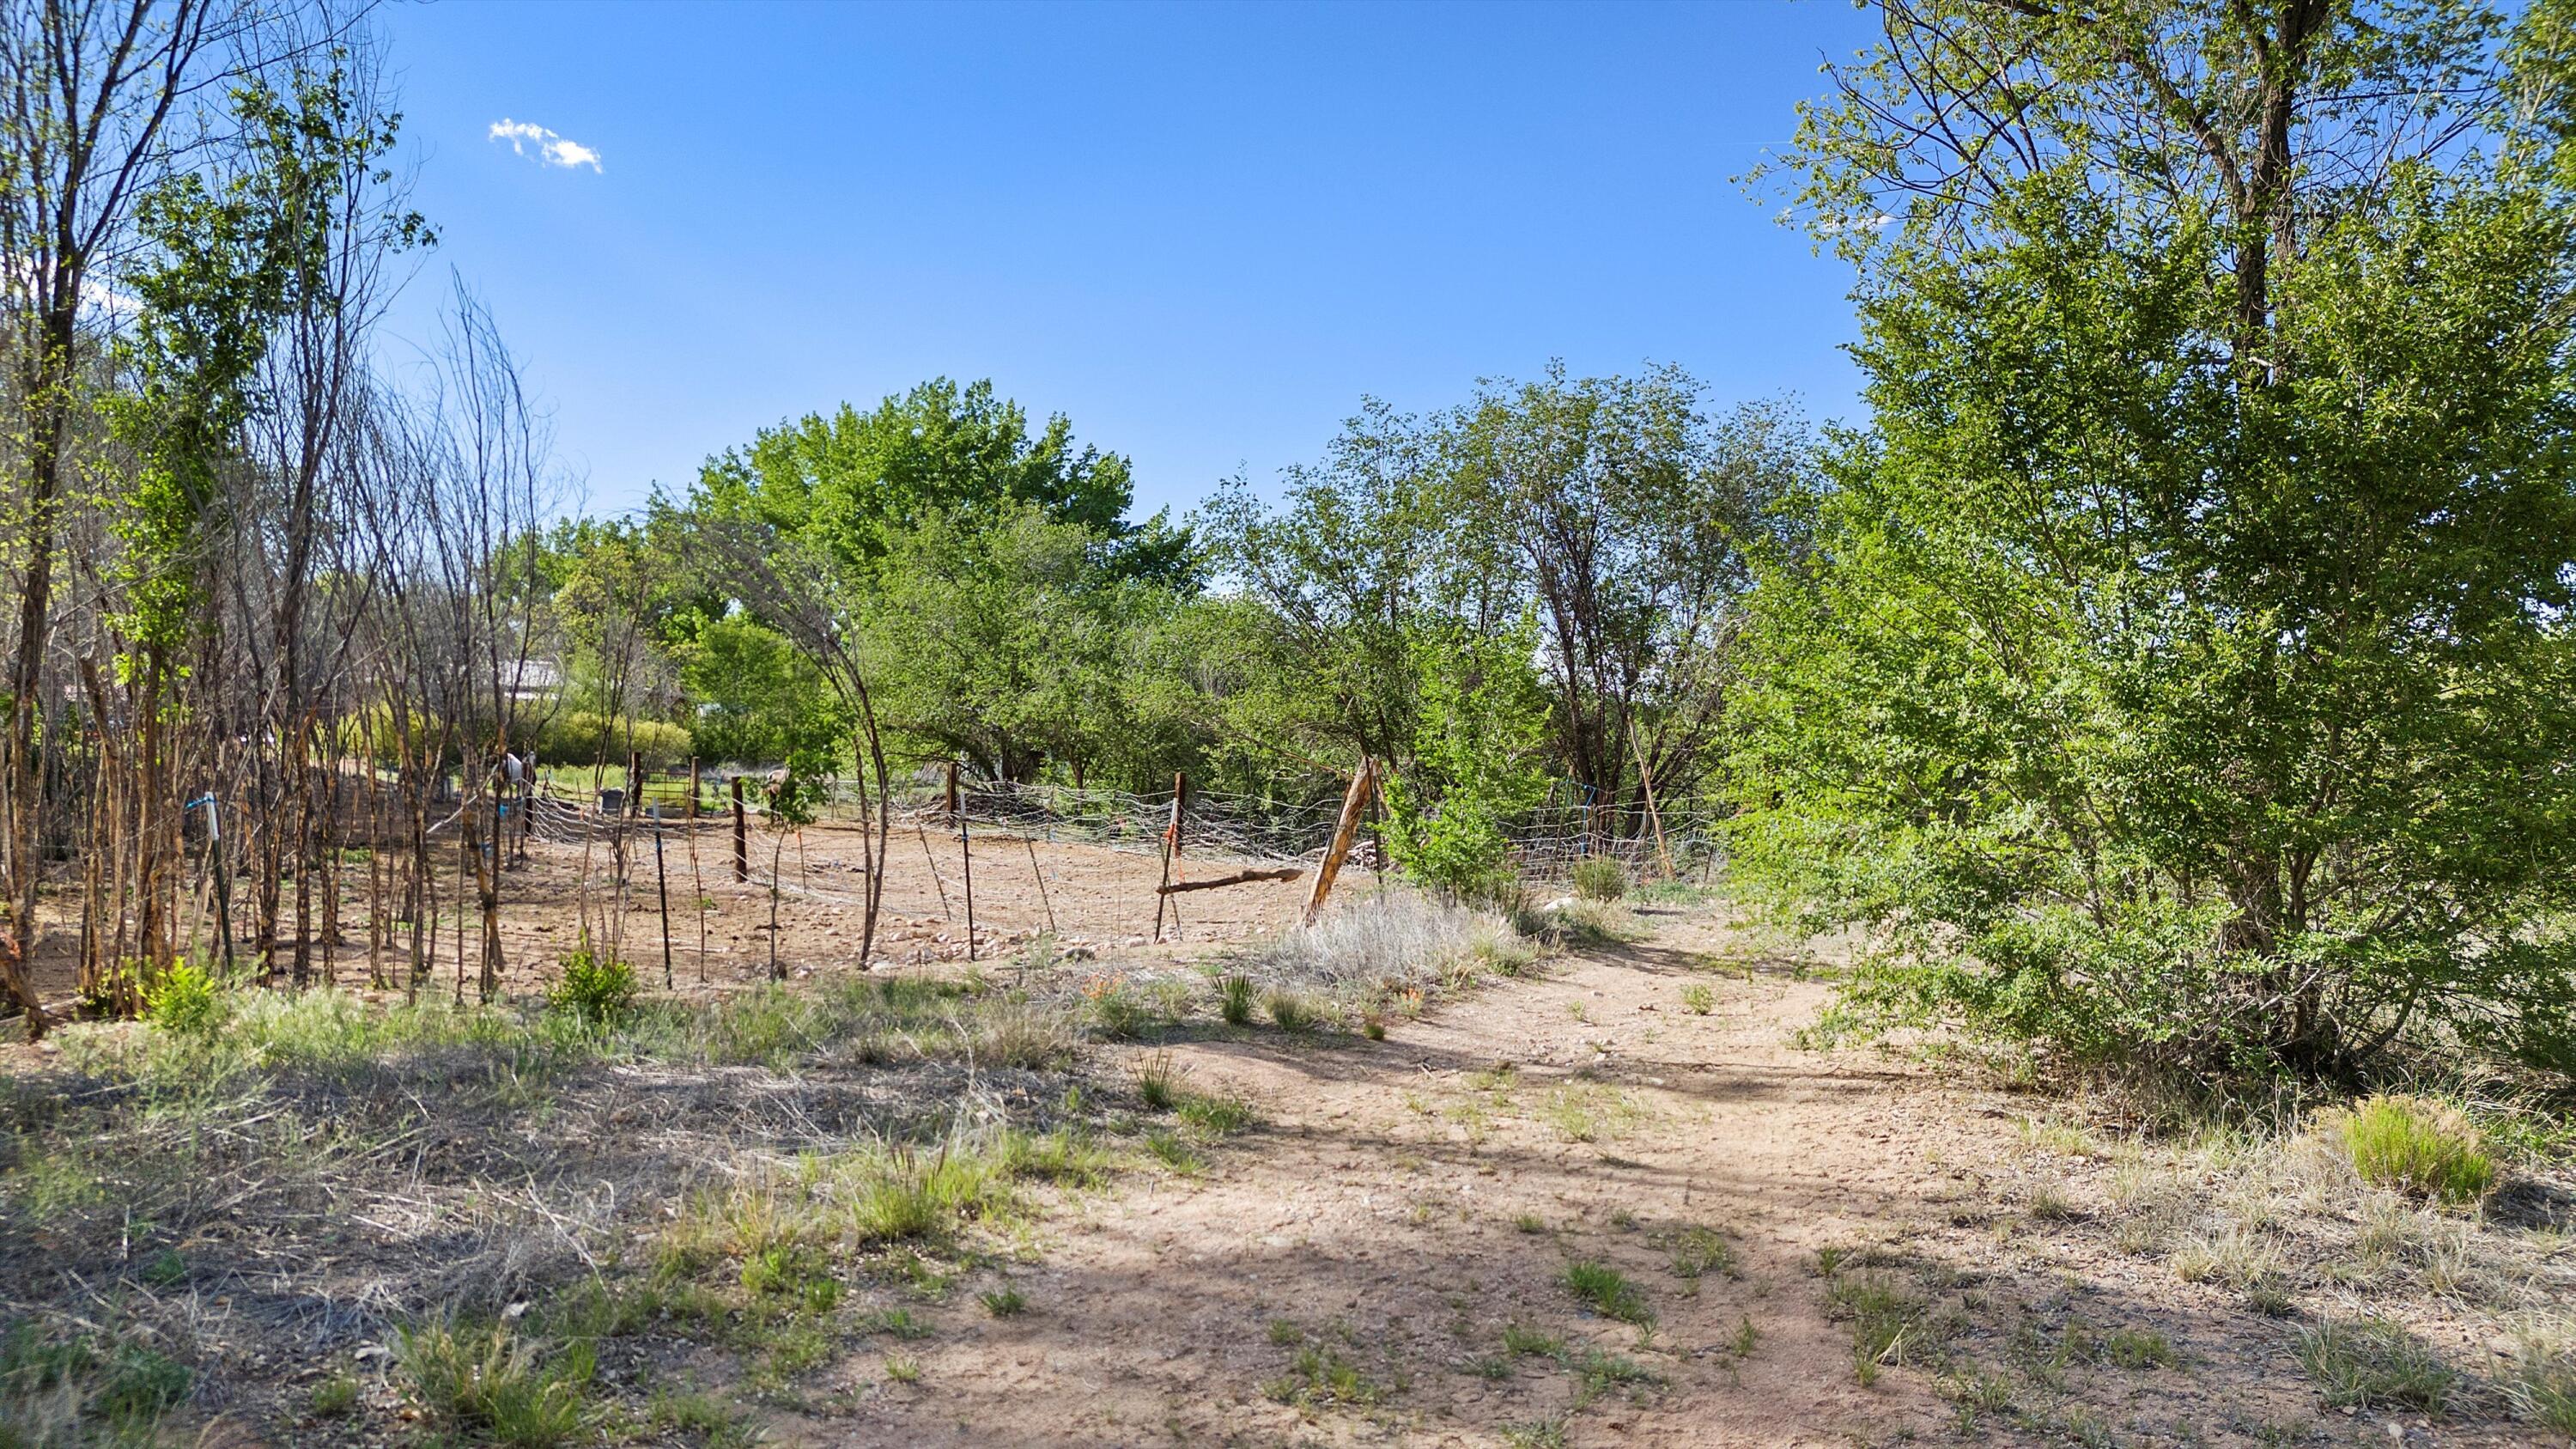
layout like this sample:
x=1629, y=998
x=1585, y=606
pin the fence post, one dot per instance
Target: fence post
x=1171, y=853
x=966, y=854
x=1363, y=786
x=741, y=836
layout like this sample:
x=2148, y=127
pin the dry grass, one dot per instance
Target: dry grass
x=1380, y=946
x=323, y=1174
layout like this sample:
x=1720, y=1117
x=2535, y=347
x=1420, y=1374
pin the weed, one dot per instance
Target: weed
x=488, y=1380
x=2368, y=1361
x=895, y=1323
x=1745, y=1337
x=1530, y=1343
x=700, y=1417
x=1319, y=1374
x=187, y=1001
x=1490, y=1366
x=1537, y=1434
x=791, y=1270
x=1589, y=1112
x=1597, y=1372
x=1698, y=1000
x=1285, y=1333
x=1599, y=878
x=596, y=989
x=1234, y=998
x=2542, y=1387
x=1886, y=1319
x=1004, y=1302
x=1291, y=1010
x=1529, y=1222
x=1700, y=1252
x=61, y=1391
x=1373, y=1025
x=1607, y=1291
x=2415, y=1145
x=1175, y=1153
x=2138, y=1348
x=1118, y=1009
x=903, y=1370
x=334, y=1396
x=1216, y=1116
x=1158, y=1078
x=2049, y=1205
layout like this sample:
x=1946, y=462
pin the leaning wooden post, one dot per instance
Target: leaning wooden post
x=1354, y=806
x=1171, y=855
x=1647, y=775
x=741, y=835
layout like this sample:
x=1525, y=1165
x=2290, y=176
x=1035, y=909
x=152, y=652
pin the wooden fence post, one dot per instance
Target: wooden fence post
x=1171, y=854
x=662, y=893
x=1354, y=804
x=966, y=854
x=741, y=835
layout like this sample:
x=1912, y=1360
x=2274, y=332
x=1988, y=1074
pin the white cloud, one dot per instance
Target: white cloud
x=552, y=149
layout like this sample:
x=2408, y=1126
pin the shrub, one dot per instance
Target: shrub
x=187, y=1001
x=2417, y=1146
x=597, y=989
x=1379, y=947
x=1600, y=878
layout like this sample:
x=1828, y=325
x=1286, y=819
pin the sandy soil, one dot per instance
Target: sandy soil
x=1406, y=1201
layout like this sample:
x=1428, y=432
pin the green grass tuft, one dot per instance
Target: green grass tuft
x=2418, y=1146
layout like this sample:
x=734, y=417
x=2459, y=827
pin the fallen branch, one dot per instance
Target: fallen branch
x=1238, y=878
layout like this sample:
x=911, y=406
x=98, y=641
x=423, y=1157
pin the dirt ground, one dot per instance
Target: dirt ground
x=1409, y=1200
x=1383, y=1258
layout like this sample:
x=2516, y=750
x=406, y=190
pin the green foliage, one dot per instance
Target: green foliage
x=2170, y=684
x=57, y=1391
x=1476, y=751
x=1012, y=638
x=187, y=1001
x=579, y=737
x=2371, y=1362
x=2415, y=1145
x=594, y=988
x=1600, y=878
x=759, y=700
x=1607, y=1291
x=1234, y=996
x=486, y=1379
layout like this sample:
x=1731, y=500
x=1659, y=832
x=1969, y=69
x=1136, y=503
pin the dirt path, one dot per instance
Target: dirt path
x=1407, y=1200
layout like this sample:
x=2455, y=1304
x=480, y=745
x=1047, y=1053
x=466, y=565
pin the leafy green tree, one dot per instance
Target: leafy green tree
x=850, y=482
x=1006, y=643
x=755, y=697
x=2179, y=673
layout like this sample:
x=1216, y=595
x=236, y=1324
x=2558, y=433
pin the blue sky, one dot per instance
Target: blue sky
x=1203, y=232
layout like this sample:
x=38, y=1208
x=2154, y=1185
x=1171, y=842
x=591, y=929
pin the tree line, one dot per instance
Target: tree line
x=2170, y=668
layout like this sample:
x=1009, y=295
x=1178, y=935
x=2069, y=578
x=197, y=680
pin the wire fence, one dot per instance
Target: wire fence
x=1545, y=843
